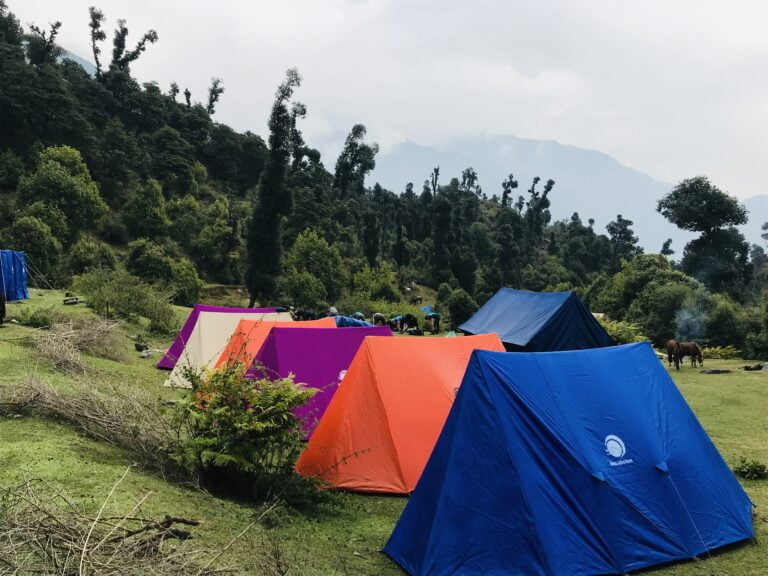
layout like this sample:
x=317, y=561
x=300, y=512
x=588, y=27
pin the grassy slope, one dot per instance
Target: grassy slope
x=342, y=537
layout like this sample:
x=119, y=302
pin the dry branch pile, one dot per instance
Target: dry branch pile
x=64, y=342
x=132, y=422
x=42, y=531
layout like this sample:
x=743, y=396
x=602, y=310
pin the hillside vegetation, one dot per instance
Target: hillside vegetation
x=104, y=172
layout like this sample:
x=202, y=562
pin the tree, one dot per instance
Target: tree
x=42, y=248
x=144, y=213
x=97, y=35
x=312, y=254
x=697, y=205
x=264, y=247
x=719, y=257
x=461, y=307
x=356, y=160
x=214, y=94
x=623, y=242
x=88, y=254
x=62, y=180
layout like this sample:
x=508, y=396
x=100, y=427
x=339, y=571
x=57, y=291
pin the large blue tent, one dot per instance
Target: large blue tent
x=13, y=275
x=570, y=464
x=538, y=321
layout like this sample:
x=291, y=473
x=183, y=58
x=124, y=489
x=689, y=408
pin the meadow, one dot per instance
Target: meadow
x=344, y=534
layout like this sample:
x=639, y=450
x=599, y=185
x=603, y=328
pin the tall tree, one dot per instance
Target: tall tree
x=97, y=36
x=274, y=198
x=356, y=160
x=623, y=242
x=719, y=256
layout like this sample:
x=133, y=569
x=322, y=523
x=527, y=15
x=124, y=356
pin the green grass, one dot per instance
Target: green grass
x=345, y=535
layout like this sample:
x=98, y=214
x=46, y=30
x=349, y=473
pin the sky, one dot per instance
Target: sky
x=674, y=89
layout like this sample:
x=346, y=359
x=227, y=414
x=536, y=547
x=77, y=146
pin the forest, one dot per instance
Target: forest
x=103, y=177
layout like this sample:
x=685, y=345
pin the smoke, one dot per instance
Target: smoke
x=691, y=319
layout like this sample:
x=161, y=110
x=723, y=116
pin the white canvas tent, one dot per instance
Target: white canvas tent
x=209, y=337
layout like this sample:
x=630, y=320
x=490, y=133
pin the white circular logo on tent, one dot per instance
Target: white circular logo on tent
x=614, y=446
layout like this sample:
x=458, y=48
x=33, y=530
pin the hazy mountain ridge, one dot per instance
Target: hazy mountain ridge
x=587, y=181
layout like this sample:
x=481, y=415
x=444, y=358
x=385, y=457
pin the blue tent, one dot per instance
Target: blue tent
x=538, y=321
x=13, y=275
x=347, y=322
x=570, y=464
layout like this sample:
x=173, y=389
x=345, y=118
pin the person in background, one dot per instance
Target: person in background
x=379, y=319
x=434, y=322
x=332, y=311
x=409, y=321
x=396, y=323
x=358, y=316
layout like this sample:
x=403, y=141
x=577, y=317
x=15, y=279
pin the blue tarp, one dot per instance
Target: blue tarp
x=538, y=321
x=570, y=464
x=13, y=275
x=347, y=322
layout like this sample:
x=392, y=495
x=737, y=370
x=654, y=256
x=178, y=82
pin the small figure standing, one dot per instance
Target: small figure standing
x=434, y=322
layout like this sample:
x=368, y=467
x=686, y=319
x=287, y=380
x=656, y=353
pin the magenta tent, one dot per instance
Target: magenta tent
x=318, y=357
x=168, y=361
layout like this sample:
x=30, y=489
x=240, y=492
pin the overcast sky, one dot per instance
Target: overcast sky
x=674, y=88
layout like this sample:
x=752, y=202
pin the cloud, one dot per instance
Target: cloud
x=671, y=88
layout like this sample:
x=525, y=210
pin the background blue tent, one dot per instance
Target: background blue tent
x=561, y=464
x=13, y=275
x=538, y=321
x=347, y=322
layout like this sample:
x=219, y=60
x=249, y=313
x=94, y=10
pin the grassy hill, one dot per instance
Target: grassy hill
x=342, y=536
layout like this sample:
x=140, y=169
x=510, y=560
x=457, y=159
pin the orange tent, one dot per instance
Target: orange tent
x=381, y=425
x=249, y=335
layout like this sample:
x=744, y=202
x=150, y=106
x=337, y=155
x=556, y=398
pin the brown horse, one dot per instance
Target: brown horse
x=693, y=350
x=673, y=353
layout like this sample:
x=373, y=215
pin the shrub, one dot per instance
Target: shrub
x=461, y=306
x=623, y=332
x=37, y=317
x=721, y=352
x=87, y=254
x=756, y=346
x=241, y=435
x=751, y=469
x=115, y=293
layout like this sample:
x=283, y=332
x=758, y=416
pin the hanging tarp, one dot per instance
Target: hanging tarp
x=317, y=357
x=570, y=464
x=538, y=321
x=13, y=275
x=168, y=361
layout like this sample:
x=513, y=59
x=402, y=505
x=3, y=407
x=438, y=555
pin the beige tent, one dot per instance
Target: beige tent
x=209, y=337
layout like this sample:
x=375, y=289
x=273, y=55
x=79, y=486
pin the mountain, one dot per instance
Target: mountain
x=587, y=181
x=86, y=65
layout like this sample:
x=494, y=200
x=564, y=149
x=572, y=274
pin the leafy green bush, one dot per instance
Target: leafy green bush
x=751, y=469
x=241, y=436
x=721, y=352
x=116, y=293
x=87, y=254
x=37, y=317
x=461, y=306
x=623, y=332
x=756, y=346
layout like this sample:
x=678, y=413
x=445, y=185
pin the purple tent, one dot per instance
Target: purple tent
x=168, y=361
x=318, y=357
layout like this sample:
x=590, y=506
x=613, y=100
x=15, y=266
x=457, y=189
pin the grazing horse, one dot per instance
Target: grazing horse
x=693, y=350
x=673, y=353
